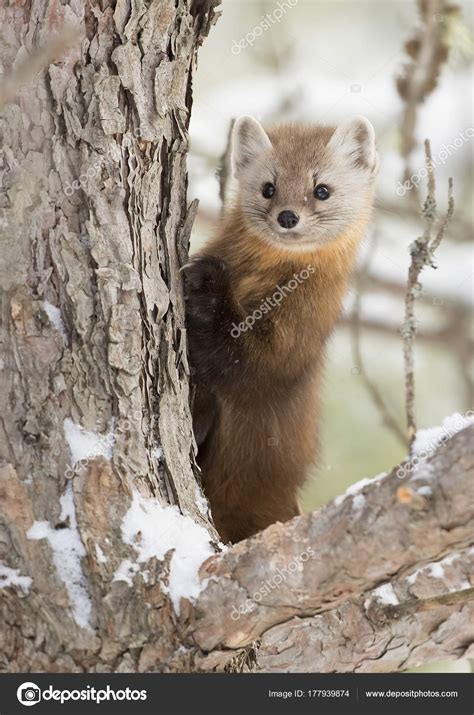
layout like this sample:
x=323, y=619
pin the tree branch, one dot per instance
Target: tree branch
x=324, y=589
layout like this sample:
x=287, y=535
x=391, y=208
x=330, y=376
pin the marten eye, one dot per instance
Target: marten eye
x=268, y=190
x=321, y=192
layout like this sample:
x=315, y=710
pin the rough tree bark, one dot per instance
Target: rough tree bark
x=94, y=227
x=94, y=220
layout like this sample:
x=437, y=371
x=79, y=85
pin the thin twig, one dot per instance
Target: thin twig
x=421, y=251
x=447, y=218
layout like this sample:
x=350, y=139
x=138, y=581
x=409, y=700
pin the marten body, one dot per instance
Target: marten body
x=261, y=303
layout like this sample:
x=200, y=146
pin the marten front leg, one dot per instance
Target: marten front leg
x=210, y=314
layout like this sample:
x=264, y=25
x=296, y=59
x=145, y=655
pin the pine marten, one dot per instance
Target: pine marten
x=261, y=300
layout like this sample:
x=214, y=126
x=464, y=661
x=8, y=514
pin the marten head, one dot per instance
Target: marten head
x=303, y=186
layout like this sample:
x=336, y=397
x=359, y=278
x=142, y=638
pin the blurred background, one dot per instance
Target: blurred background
x=322, y=62
x=408, y=67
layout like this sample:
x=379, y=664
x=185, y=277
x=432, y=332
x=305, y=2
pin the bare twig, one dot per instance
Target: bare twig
x=447, y=218
x=421, y=251
x=428, y=51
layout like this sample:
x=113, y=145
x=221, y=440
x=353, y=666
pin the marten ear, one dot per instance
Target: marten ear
x=249, y=139
x=355, y=139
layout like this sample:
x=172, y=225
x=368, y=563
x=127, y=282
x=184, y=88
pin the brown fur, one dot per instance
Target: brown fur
x=274, y=421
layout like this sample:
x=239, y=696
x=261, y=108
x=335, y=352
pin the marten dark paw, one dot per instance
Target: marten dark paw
x=205, y=274
x=209, y=318
x=206, y=286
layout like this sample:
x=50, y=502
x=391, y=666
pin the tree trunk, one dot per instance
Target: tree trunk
x=94, y=374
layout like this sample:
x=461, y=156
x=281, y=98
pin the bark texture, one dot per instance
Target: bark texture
x=94, y=226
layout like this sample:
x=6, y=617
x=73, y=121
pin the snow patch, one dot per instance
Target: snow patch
x=386, y=595
x=55, y=318
x=68, y=550
x=424, y=491
x=87, y=445
x=153, y=530
x=12, y=577
x=356, y=487
x=436, y=570
x=432, y=437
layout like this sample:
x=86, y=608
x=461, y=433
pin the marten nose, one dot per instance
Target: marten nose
x=288, y=219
